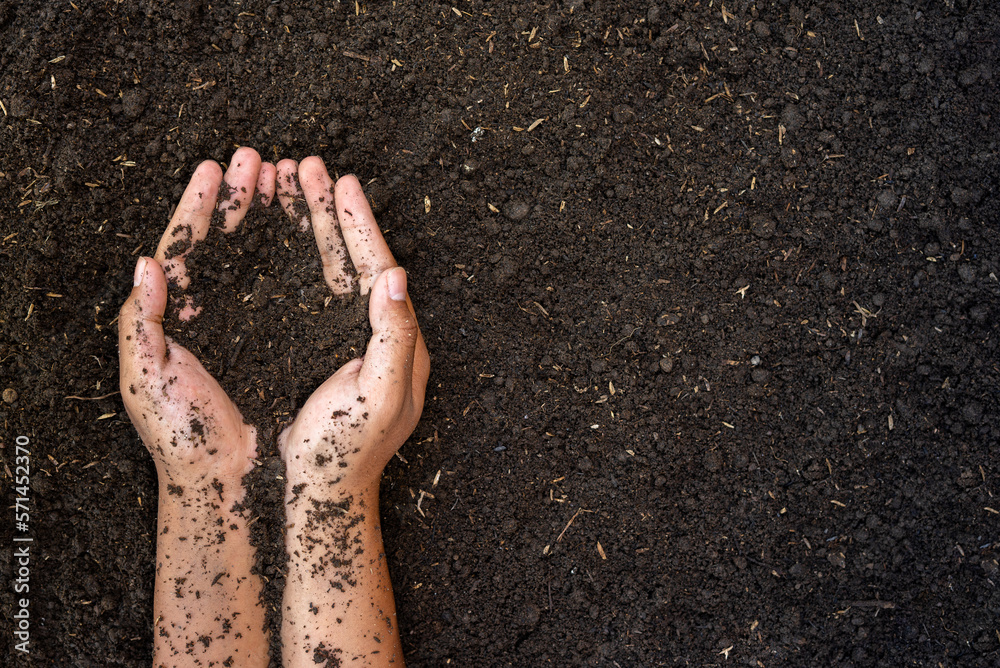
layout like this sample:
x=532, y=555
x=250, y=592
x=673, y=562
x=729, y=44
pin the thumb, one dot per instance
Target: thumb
x=141, y=345
x=388, y=364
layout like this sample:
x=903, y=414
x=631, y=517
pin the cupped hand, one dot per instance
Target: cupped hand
x=354, y=422
x=191, y=428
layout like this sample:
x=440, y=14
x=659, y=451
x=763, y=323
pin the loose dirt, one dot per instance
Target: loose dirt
x=710, y=292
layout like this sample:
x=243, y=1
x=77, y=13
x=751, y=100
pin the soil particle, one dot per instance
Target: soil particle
x=134, y=101
x=792, y=118
x=516, y=210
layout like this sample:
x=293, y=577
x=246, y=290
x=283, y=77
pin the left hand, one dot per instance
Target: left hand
x=188, y=424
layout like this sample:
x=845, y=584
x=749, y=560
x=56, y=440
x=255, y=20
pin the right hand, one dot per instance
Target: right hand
x=351, y=426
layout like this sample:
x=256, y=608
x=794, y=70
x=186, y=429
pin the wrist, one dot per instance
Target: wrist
x=332, y=480
x=220, y=489
x=303, y=487
x=206, y=464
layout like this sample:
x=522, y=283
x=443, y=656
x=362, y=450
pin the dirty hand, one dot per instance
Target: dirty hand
x=192, y=429
x=354, y=422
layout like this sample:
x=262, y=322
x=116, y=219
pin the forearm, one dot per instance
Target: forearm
x=206, y=602
x=338, y=601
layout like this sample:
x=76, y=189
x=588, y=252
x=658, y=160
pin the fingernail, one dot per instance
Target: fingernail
x=140, y=271
x=397, y=284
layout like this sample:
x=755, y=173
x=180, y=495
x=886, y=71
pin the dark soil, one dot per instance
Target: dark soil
x=714, y=343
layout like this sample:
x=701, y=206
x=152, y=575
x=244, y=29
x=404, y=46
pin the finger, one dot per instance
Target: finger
x=317, y=187
x=141, y=345
x=265, y=184
x=368, y=250
x=387, y=371
x=190, y=222
x=290, y=194
x=241, y=179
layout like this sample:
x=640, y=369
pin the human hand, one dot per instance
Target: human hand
x=338, y=598
x=192, y=429
x=354, y=422
x=206, y=594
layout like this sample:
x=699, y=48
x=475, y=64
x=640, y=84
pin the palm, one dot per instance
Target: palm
x=338, y=433
x=188, y=422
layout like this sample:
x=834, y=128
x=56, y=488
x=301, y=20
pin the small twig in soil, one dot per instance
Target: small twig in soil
x=883, y=605
x=578, y=511
x=103, y=396
x=624, y=338
x=357, y=56
x=421, y=500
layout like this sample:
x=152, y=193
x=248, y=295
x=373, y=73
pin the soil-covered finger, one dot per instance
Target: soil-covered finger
x=238, y=186
x=365, y=243
x=290, y=194
x=265, y=184
x=190, y=221
x=318, y=189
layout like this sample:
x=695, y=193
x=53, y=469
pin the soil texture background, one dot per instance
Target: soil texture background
x=710, y=291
